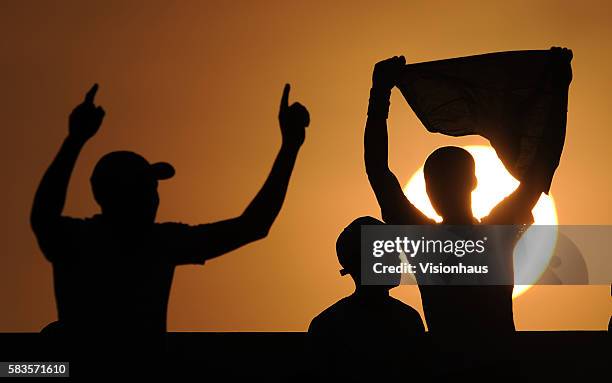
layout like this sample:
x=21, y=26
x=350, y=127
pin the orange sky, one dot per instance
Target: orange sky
x=197, y=84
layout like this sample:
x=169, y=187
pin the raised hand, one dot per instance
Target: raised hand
x=293, y=120
x=561, y=64
x=566, y=53
x=387, y=72
x=86, y=118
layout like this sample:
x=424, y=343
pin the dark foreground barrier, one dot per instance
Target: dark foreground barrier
x=526, y=356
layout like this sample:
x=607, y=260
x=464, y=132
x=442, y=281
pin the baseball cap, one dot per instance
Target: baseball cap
x=121, y=167
x=348, y=245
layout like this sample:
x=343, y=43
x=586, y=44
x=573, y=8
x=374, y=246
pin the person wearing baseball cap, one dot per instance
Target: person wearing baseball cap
x=347, y=338
x=124, y=184
x=113, y=271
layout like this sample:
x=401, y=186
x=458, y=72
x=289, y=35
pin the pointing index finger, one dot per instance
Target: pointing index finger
x=91, y=94
x=285, y=98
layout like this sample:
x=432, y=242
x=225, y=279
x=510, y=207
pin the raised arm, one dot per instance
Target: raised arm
x=84, y=122
x=516, y=208
x=254, y=223
x=262, y=211
x=395, y=207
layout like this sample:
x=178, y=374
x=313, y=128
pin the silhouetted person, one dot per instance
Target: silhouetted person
x=450, y=179
x=348, y=337
x=113, y=272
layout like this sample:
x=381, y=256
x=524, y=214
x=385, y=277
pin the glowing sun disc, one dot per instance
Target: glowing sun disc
x=494, y=184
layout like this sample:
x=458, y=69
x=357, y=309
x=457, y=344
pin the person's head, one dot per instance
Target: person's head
x=124, y=184
x=348, y=250
x=450, y=178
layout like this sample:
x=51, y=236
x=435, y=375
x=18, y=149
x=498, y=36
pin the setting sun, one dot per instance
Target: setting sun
x=494, y=184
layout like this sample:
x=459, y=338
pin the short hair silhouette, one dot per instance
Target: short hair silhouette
x=449, y=168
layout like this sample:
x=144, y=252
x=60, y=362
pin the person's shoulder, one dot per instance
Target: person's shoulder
x=507, y=213
x=170, y=226
x=63, y=235
x=337, y=309
x=403, y=307
x=66, y=225
x=405, y=313
x=180, y=227
x=333, y=313
x=173, y=230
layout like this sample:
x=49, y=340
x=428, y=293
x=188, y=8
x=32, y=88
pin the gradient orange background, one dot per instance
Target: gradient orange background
x=198, y=84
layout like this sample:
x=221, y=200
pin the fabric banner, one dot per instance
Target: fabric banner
x=517, y=100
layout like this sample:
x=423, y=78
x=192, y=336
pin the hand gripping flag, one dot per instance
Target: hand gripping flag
x=517, y=100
